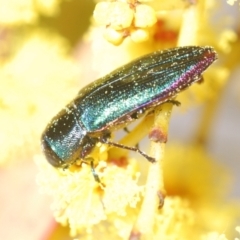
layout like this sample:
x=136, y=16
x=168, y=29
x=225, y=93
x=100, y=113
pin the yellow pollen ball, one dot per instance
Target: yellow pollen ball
x=145, y=16
x=140, y=35
x=117, y=15
x=113, y=36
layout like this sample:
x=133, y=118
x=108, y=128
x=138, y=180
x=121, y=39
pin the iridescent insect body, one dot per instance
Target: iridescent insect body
x=119, y=98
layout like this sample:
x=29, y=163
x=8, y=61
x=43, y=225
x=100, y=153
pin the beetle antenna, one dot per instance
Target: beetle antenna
x=150, y=159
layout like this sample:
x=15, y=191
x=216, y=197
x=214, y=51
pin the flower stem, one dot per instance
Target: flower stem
x=145, y=221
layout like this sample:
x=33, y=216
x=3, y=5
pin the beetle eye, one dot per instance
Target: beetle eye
x=51, y=156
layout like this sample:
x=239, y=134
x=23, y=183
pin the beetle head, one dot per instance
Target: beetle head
x=64, y=140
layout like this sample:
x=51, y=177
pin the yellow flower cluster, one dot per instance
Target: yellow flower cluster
x=125, y=18
x=80, y=201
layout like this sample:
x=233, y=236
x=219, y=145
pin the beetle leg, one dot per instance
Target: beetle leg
x=150, y=159
x=96, y=177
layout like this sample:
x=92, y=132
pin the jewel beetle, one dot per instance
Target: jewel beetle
x=119, y=98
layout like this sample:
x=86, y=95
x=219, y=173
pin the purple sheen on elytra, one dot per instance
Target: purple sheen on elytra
x=206, y=57
x=179, y=72
x=194, y=73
